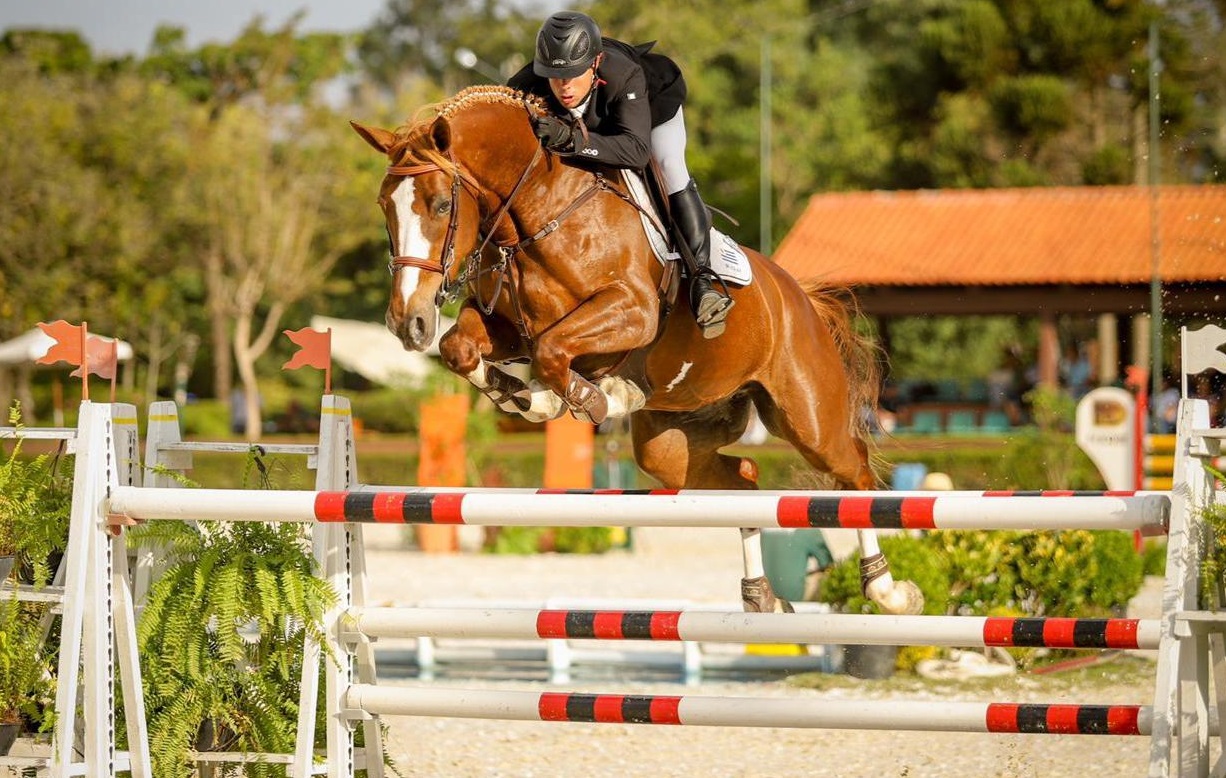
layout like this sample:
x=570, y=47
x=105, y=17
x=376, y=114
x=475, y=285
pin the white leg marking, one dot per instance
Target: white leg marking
x=685, y=368
x=751, y=552
x=545, y=405
x=622, y=396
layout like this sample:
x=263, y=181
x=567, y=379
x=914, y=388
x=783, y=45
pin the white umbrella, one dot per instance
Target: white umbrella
x=31, y=346
x=370, y=350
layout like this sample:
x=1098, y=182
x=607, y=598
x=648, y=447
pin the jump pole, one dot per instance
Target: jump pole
x=925, y=716
x=731, y=627
x=832, y=510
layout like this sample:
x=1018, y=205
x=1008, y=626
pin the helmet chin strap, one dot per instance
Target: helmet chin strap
x=596, y=81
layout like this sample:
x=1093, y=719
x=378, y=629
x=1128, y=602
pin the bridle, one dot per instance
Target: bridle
x=450, y=290
x=470, y=271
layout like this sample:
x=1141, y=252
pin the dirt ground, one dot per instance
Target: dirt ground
x=703, y=567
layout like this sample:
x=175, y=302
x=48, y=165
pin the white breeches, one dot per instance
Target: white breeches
x=668, y=150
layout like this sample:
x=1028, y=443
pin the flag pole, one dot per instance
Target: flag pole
x=1183, y=361
x=114, y=366
x=328, y=369
x=84, y=361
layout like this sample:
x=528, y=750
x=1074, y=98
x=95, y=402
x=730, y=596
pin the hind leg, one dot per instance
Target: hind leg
x=821, y=430
x=681, y=451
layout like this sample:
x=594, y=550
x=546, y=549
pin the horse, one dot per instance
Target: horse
x=556, y=269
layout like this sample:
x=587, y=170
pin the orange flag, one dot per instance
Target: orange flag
x=101, y=357
x=314, y=349
x=67, y=346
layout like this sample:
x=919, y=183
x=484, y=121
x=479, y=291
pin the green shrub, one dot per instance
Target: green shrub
x=27, y=687
x=517, y=540
x=1076, y=572
x=1153, y=557
x=583, y=540
x=910, y=559
x=1047, y=455
x=393, y=411
x=563, y=540
x=205, y=420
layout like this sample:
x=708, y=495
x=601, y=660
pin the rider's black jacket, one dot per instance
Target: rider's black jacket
x=635, y=91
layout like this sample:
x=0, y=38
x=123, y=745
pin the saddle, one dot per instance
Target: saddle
x=728, y=260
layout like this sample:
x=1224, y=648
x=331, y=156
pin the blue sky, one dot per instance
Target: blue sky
x=126, y=26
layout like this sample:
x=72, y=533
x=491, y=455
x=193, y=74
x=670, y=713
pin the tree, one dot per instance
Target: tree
x=271, y=81
x=417, y=40
x=280, y=210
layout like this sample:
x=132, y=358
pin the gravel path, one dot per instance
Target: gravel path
x=702, y=566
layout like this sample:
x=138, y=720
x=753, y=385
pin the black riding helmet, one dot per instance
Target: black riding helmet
x=567, y=45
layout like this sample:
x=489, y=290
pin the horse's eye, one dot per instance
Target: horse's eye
x=443, y=207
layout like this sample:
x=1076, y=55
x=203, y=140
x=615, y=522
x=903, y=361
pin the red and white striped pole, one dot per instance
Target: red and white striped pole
x=849, y=510
x=737, y=627
x=926, y=716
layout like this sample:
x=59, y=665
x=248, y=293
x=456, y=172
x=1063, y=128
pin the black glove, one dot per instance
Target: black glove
x=553, y=133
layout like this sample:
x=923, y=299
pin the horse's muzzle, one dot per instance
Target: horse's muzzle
x=416, y=333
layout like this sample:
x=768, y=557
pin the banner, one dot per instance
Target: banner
x=1203, y=349
x=1107, y=433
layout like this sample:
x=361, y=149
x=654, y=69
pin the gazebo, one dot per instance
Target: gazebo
x=1044, y=252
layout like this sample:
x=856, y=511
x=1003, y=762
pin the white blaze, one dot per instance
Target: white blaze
x=411, y=242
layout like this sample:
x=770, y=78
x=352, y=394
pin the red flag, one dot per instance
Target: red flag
x=67, y=346
x=314, y=349
x=102, y=357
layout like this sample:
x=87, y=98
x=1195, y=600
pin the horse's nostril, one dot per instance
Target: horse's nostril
x=417, y=329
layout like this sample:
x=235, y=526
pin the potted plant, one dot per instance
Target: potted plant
x=910, y=559
x=221, y=635
x=35, y=506
x=26, y=688
x=8, y=546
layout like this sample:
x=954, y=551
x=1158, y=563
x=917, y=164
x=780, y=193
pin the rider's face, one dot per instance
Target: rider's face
x=571, y=91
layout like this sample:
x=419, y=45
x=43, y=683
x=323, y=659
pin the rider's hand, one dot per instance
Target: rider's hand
x=553, y=133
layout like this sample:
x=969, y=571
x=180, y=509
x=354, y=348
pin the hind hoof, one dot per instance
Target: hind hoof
x=903, y=599
x=757, y=596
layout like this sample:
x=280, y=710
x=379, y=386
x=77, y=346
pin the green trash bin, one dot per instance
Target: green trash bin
x=786, y=554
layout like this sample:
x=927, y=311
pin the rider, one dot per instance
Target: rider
x=629, y=100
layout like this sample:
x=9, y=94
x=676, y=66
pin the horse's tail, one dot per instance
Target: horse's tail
x=838, y=308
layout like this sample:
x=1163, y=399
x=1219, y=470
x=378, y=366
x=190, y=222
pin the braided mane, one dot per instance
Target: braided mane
x=413, y=147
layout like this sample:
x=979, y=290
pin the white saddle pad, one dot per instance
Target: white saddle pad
x=728, y=259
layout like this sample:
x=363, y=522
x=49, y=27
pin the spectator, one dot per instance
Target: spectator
x=1166, y=405
x=1075, y=371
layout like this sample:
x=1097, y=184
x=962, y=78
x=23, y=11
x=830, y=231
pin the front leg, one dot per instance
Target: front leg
x=608, y=322
x=467, y=350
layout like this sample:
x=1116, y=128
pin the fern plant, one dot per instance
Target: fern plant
x=1214, y=567
x=221, y=638
x=26, y=684
x=35, y=501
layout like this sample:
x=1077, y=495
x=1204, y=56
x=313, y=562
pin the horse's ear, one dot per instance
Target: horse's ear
x=379, y=139
x=440, y=133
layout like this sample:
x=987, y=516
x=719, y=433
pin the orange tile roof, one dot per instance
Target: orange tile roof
x=996, y=237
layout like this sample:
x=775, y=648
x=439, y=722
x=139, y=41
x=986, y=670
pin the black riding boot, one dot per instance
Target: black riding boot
x=694, y=222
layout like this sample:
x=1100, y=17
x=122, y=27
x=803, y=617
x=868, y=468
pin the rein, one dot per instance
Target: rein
x=469, y=270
